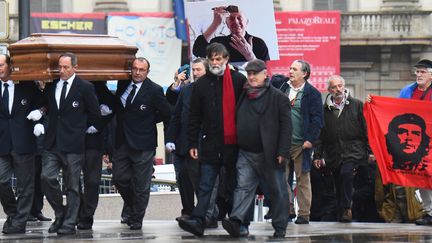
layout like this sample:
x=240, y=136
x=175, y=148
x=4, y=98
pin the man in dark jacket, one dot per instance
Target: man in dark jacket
x=188, y=169
x=212, y=120
x=72, y=109
x=91, y=165
x=306, y=117
x=18, y=147
x=263, y=126
x=140, y=105
x=343, y=142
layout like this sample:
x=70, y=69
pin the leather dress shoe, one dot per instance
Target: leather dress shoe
x=184, y=216
x=278, y=234
x=41, y=217
x=7, y=223
x=234, y=228
x=124, y=220
x=192, y=226
x=425, y=220
x=13, y=230
x=135, y=226
x=66, y=231
x=301, y=220
x=55, y=226
x=211, y=223
x=32, y=218
x=83, y=225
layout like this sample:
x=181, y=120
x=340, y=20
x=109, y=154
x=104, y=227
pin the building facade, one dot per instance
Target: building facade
x=380, y=39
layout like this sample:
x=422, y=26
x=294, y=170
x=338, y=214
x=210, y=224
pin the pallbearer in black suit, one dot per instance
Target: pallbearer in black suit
x=92, y=163
x=72, y=109
x=140, y=104
x=18, y=147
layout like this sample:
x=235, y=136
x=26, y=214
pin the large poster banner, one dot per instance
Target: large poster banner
x=399, y=132
x=311, y=36
x=76, y=23
x=155, y=36
x=245, y=27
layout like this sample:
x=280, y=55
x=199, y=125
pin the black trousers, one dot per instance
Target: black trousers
x=132, y=174
x=38, y=195
x=70, y=163
x=89, y=195
x=344, y=178
x=187, y=182
x=22, y=165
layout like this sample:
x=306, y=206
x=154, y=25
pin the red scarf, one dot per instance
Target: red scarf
x=229, y=102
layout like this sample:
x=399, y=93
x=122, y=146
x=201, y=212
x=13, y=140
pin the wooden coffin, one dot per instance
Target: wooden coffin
x=100, y=57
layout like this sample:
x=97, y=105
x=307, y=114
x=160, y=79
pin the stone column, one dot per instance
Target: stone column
x=111, y=6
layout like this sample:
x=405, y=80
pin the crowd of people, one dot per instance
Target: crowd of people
x=232, y=136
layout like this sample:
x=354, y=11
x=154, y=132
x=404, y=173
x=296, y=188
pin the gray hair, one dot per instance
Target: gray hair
x=335, y=77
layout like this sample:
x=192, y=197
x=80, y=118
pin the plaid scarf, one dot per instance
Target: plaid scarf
x=256, y=92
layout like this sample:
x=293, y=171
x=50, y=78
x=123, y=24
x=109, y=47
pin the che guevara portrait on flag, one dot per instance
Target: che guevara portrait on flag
x=407, y=142
x=399, y=132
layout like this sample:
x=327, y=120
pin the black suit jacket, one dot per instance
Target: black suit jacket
x=136, y=125
x=67, y=125
x=177, y=130
x=98, y=140
x=16, y=131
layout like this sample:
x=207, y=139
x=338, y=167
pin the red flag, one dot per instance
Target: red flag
x=399, y=132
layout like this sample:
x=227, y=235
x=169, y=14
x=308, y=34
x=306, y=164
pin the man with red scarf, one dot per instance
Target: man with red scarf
x=212, y=126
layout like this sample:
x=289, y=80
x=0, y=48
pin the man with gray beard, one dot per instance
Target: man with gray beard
x=212, y=126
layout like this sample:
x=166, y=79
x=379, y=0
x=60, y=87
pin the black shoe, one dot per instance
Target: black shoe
x=55, y=226
x=32, y=218
x=124, y=220
x=8, y=222
x=135, y=226
x=13, y=230
x=66, y=231
x=184, y=216
x=301, y=220
x=192, y=226
x=211, y=223
x=425, y=220
x=234, y=228
x=83, y=225
x=279, y=234
x=41, y=217
x=268, y=215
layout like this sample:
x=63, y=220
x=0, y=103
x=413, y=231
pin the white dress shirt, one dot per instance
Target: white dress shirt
x=124, y=96
x=11, y=90
x=59, y=87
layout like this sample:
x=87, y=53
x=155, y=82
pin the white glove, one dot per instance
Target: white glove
x=105, y=110
x=91, y=130
x=170, y=146
x=35, y=115
x=38, y=130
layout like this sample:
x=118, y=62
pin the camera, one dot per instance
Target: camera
x=186, y=68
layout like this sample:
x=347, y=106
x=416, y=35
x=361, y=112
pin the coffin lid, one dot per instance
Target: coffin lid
x=100, y=57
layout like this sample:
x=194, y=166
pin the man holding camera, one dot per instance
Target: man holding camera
x=181, y=79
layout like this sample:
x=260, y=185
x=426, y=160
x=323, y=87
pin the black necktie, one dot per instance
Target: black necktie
x=5, y=98
x=63, y=94
x=131, y=95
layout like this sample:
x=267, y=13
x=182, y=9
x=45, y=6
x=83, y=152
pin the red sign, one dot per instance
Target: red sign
x=310, y=36
x=399, y=132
